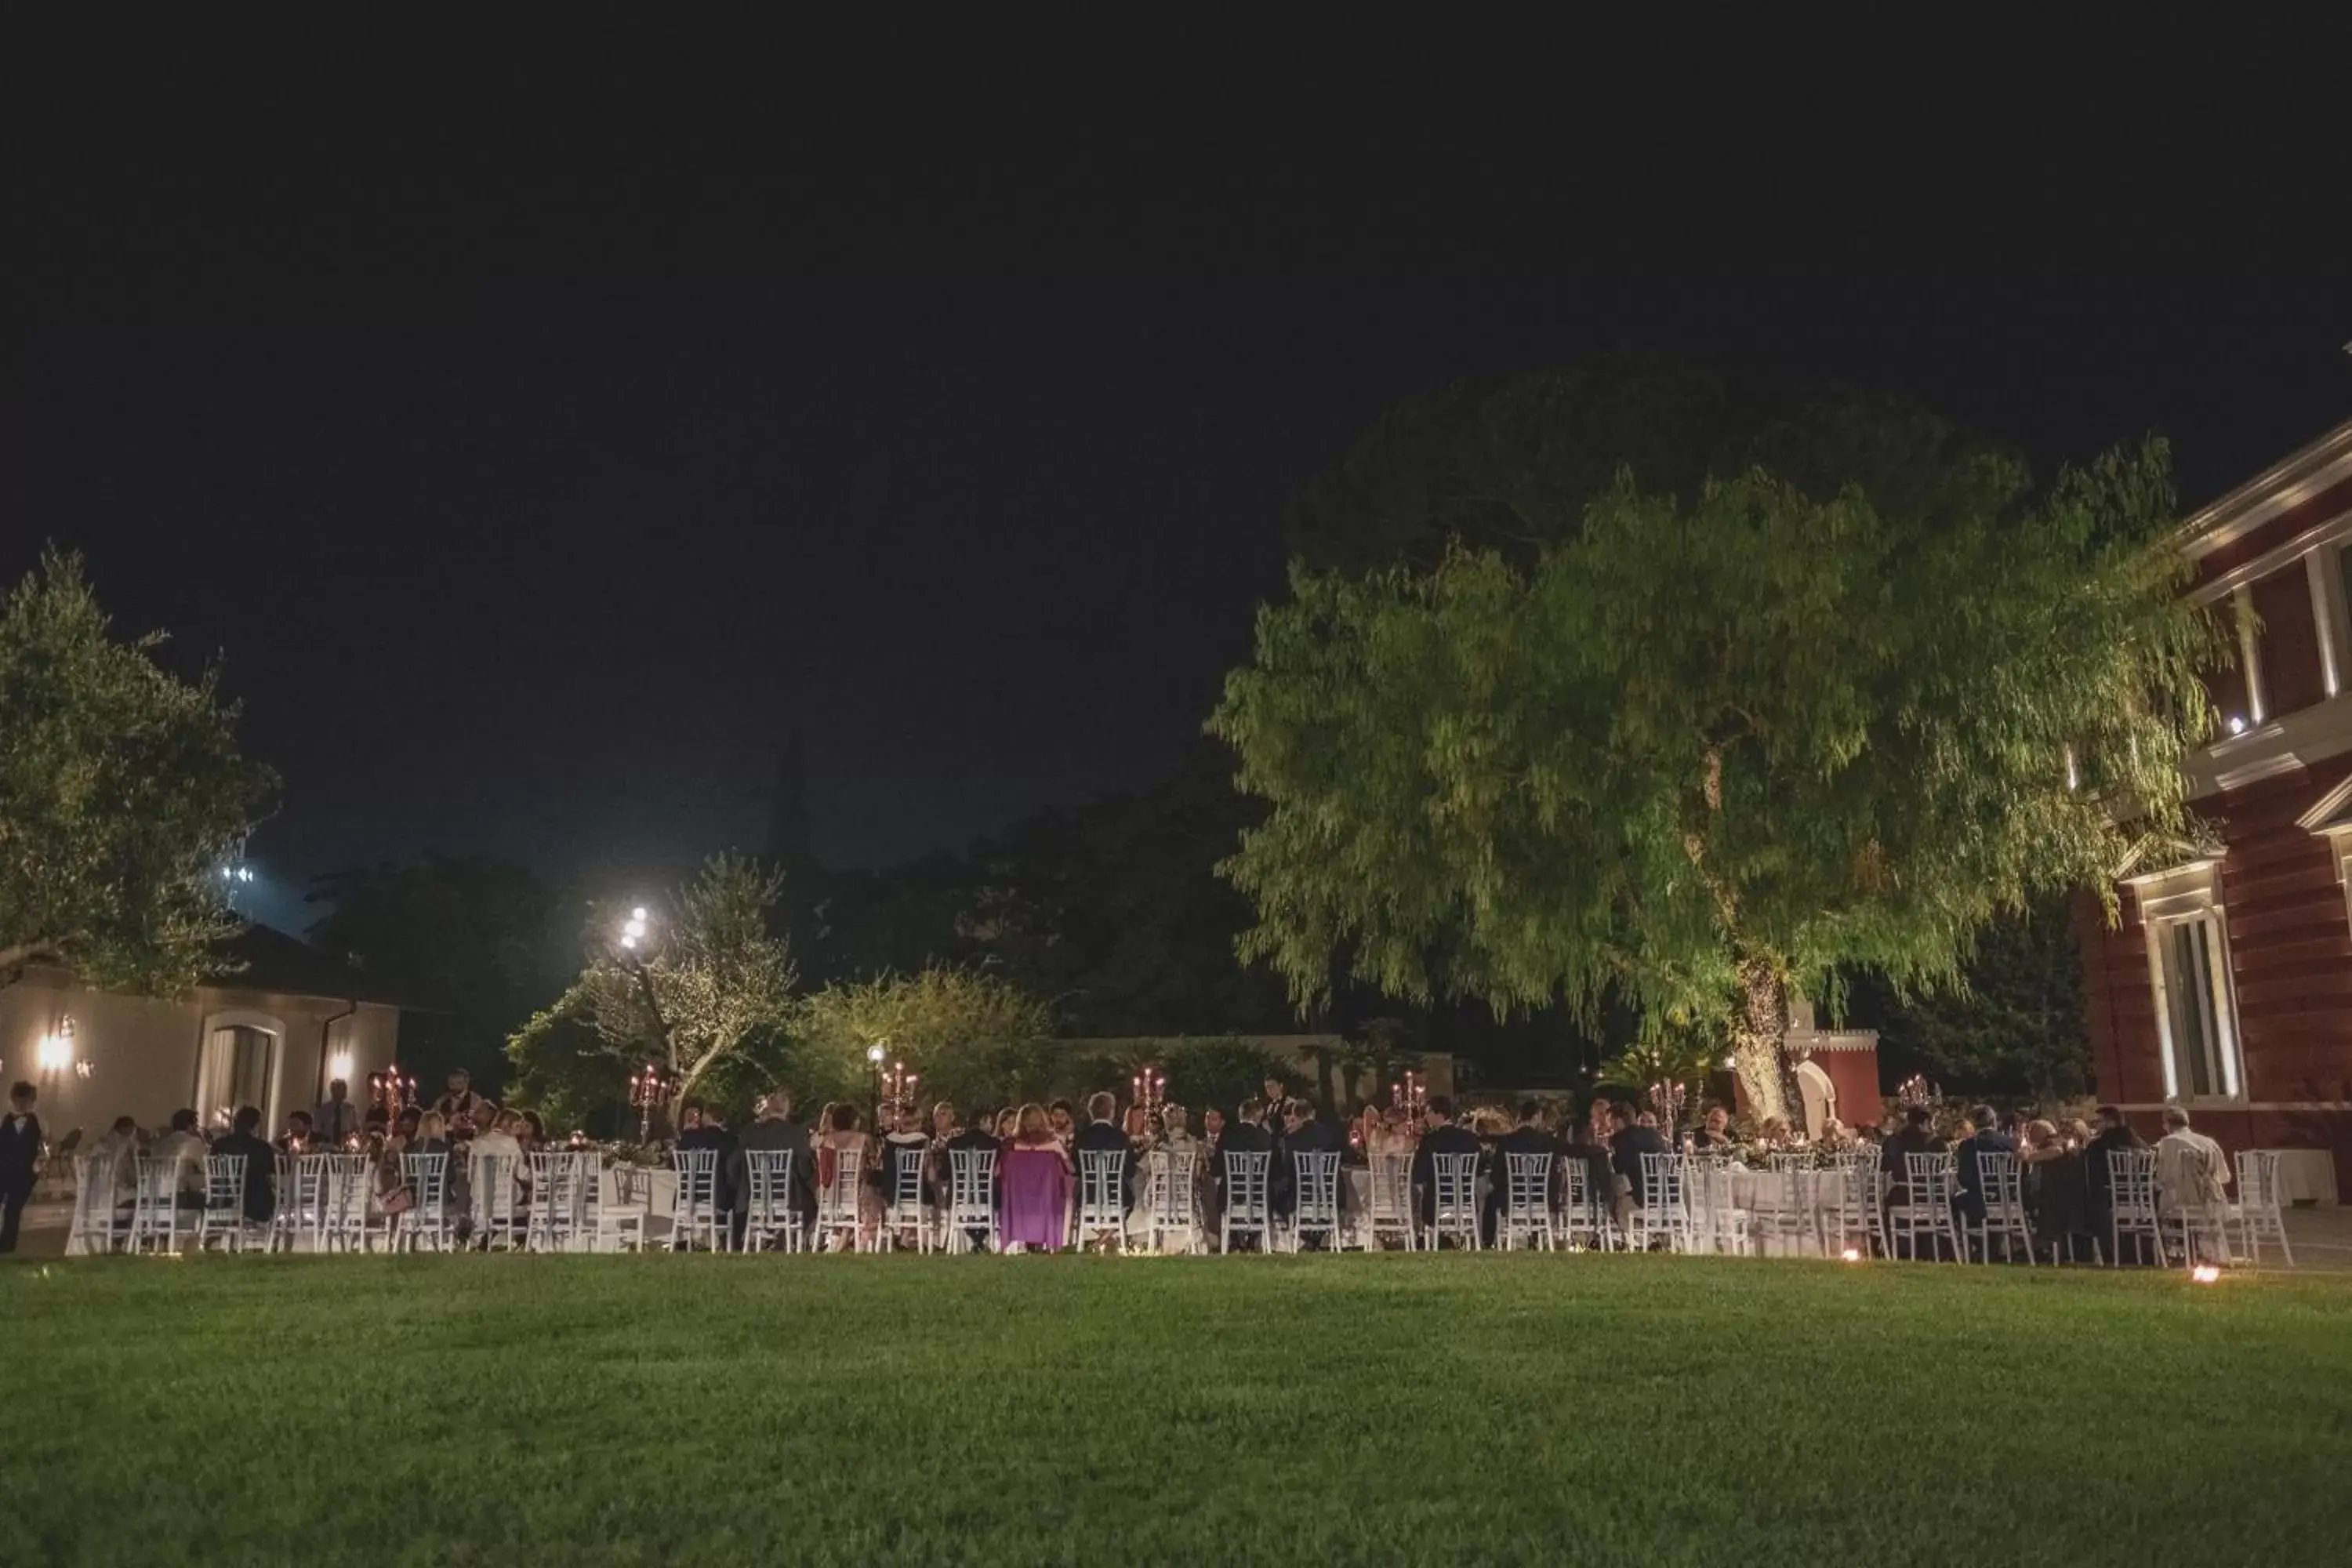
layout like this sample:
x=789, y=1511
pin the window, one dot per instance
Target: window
x=2188, y=966
x=239, y=1067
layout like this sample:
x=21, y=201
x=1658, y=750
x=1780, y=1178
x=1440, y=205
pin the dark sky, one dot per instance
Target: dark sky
x=533, y=501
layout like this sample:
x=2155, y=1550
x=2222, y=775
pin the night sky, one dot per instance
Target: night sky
x=533, y=502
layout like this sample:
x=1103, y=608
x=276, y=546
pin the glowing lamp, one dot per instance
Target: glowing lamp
x=1852, y=1255
x=2205, y=1274
x=341, y=1066
x=2237, y=725
x=874, y=1055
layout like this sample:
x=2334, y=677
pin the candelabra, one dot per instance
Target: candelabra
x=647, y=1088
x=1667, y=1100
x=392, y=1091
x=1916, y=1090
x=1150, y=1093
x=898, y=1086
x=1411, y=1096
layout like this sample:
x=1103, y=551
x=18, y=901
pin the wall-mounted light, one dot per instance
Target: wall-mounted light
x=2237, y=725
x=340, y=1066
x=56, y=1049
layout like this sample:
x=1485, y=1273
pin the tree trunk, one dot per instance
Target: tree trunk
x=1756, y=1040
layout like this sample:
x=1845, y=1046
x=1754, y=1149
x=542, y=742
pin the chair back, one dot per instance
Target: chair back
x=1102, y=1192
x=2259, y=1188
x=1456, y=1177
x=2131, y=1185
x=1317, y=1205
x=158, y=1185
x=427, y=1176
x=224, y=1187
x=1245, y=1177
x=1391, y=1193
x=2000, y=1179
x=837, y=1204
x=1664, y=1183
x=94, y=1191
x=1527, y=1184
x=493, y=1181
x=1927, y=1180
x=971, y=1188
x=1172, y=1205
x=697, y=1184
x=768, y=1186
x=907, y=1162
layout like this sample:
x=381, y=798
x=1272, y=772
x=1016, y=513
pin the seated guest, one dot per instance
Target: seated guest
x=2114, y=1136
x=1627, y=1142
x=1062, y=1118
x=1033, y=1173
x=1103, y=1135
x=1968, y=1202
x=1277, y=1096
x=186, y=1148
x=979, y=1138
x=465, y=1111
x=374, y=1128
x=2192, y=1172
x=1774, y=1134
x=1714, y=1132
x=1008, y=1125
x=297, y=1138
x=243, y=1140
x=1245, y=1134
x=1915, y=1136
x=945, y=1123
x=496, y=1141
x=1531, y=1136
x=1439, y=1136
x=773, y=1131
x=1306, y=1133
x=1833, y=1133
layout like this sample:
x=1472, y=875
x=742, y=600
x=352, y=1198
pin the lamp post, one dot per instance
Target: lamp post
x=635, y=937
x=874, y=1055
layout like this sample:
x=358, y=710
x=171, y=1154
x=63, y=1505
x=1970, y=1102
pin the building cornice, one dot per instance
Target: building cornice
x=2284, y=485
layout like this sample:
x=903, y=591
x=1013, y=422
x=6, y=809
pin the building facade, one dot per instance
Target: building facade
x=270, y=1034
x=2227, y=985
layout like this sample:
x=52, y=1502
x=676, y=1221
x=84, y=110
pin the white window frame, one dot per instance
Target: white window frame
x=2186, y=895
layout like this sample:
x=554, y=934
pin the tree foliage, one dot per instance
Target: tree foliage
x=711, y=1000
x=121, y=794
x=972, y=1037
x=1703, y=751
x=2015, y=1025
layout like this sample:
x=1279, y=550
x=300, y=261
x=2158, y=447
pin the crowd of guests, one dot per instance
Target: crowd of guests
x=2067, y=1183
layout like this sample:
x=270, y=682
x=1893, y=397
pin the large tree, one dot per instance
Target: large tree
x=970, y=1036
x=1701, y=752
x=122, y=794
x=704, y=990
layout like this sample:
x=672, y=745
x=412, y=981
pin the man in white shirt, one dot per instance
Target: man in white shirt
x=2193, y=1179
x=496, y=1142
x=185, y=1146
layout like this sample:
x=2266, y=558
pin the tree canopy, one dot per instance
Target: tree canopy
x=1702, y=749
x=123, y=793
x=973, y=1037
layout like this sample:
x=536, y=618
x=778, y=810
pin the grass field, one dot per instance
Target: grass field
x=1560, y=1409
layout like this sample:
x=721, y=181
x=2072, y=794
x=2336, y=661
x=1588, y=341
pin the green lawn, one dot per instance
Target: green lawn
x=1560, y=1409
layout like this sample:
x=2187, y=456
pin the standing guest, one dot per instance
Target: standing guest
x=22, y=1144
x=1102, y=1135
x=299, y=1136
x=2192, y=1172
x=1627, y=1142
x=337, y=1118
x=243, y=1140
x=1439, y=1136
x=1596, y=1122
x=1034, y=1175
x=184, y=1147
x=1277, y=1094
x=1714, y=1135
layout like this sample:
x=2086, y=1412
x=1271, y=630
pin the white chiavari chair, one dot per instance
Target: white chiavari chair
x=1391, y=1202
x=100, y=1224
x=2261, y=1211
x=1527, y=1217
x=1664, y=1213
x=1246, y=1197
x=1793, y=1218
x=904, y=1210
x=156, y=1221
x=1102, y=1196
x=1922, y=1207
x=768, y=1218
x=426, y=1223
x=1710, y=1199
x=838, y=1226
x=346, y=1181
x=1858, y=1218
x=1454, y=1199
x=971, y=1198
x=1315, y=1199
x=1172, y=1209
x=498, y=1216
x=2001, y=1182
x=694, y=1205
x=224, y=1215
x=2131, y=1207
x=1584, y=1214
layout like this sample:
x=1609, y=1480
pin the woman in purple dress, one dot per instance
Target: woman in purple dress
x=1033, y=1179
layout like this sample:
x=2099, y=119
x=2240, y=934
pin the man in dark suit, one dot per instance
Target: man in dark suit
x=773, y=1129
x=244, y=1137
x=1987, y=1139
x=1915, y=1136
x=1439, y=1136
x=1530, y=1137
x=1627, y=1142
x=2114, y=1136
x=1305, y=1133
x=978, y=1137
x=1245, y=1135
x=21, y=1141
x=1103, y=1135
x=701, y=1130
